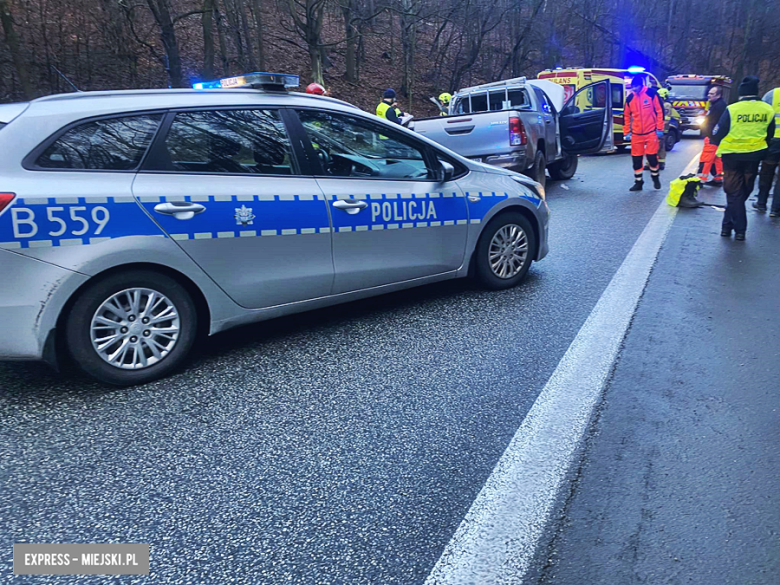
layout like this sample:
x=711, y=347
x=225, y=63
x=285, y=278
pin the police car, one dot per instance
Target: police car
x=130, y=221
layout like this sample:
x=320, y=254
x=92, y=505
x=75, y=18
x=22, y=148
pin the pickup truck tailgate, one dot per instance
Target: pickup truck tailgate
x=471, y=135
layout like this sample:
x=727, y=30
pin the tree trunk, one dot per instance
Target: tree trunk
x=161, y=10
x=207, y=20
x=222, y=44
x=347, y=9
x=258, y=15
x=247, y=38
x=16, y=54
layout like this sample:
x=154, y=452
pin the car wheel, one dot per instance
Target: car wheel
x=505, y=251
x=564, y=169
x=538, y=170
x=671, y=140
x=131, y=327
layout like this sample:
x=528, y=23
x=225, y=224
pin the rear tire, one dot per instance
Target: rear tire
x=671, y=139
x=505, y=251
x=131, y=327
x=564, y=169
x=538, y=170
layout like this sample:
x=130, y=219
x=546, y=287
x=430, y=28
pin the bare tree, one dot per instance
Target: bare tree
x=16, y=52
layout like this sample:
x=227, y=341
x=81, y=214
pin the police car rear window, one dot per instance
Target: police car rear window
x=114, y=144
x=228, y=142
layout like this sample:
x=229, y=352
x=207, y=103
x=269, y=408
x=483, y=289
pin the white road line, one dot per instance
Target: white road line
x=496, y=541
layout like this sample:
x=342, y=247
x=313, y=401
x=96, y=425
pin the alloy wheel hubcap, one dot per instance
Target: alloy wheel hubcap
x=508, y=251
x=135, y=328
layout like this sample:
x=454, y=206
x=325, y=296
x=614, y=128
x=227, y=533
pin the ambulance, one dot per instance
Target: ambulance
x=572, y=79
x=689, y=96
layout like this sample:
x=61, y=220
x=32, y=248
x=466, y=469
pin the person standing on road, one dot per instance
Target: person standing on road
x=388, y=107
x=742, y=135
x=644, y=127
x=770, y=163
x=669, y=113
x=708, y=159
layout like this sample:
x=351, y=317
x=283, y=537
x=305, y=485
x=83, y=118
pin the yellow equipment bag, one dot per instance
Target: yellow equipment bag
x=682, y=191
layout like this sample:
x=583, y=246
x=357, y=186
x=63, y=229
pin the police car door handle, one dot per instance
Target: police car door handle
x=180, y=209
x=350, y=206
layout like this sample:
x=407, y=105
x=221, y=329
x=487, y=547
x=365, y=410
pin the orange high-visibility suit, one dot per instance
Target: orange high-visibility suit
x=644, y=115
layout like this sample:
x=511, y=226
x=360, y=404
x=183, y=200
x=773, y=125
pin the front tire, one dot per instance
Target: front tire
x=131, y=327
x=505, y=251
x=564, y=169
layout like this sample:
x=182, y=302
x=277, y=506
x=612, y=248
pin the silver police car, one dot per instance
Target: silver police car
x=132, y=220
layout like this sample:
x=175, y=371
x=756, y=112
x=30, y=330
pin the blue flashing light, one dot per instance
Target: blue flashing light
x=558, y=68
x=268, y=81
x=216, y=84
x=634, y=69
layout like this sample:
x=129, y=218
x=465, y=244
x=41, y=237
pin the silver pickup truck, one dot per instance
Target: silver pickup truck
x=525, y=126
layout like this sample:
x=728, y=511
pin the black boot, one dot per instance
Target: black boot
x=758, y=207
x=661, y=165
x=637, y=186
x=656, y=181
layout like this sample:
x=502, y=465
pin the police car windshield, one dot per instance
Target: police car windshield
x=689, y=92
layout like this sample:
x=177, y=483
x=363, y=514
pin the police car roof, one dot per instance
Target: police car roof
x=147, y=99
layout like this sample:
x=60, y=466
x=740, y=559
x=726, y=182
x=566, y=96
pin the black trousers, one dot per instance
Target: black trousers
x=765, y=178
x=739, y=177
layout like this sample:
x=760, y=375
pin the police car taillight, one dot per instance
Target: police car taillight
x=266, y=81
x=5, y=200
x=517, y=136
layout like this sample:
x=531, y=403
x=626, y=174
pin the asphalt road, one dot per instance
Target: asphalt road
x=679, y=475
x=338, y=446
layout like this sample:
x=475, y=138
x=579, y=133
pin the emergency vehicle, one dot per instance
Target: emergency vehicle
x=572, y=79
x=130, y=221
x=689, y=96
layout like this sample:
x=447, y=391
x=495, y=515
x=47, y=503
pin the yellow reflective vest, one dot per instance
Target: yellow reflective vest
x=749, y=121
x=381, y=110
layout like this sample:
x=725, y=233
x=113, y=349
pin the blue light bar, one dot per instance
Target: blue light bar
x=260, y=80
x=634, y=69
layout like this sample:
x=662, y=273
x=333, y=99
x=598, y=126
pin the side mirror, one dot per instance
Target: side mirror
x=446, y=171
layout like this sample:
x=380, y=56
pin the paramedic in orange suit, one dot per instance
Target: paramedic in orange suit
x=644, y=126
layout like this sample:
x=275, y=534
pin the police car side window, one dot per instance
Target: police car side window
x=349, y=146
x=113, y=144
x=252, y=142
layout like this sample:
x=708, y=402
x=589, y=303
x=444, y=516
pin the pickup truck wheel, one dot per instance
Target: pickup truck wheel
x=538, y=170
x=131, y=327
x=505, y=251
x=564, y=169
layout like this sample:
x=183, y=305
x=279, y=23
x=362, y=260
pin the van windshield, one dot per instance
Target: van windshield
x=689, y=92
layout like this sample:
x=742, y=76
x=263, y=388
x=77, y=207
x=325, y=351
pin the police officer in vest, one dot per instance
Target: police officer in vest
x=743, y=135
x=770, y=163
x=388, y=108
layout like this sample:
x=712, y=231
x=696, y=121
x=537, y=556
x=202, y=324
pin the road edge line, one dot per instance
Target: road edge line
x=496, y=541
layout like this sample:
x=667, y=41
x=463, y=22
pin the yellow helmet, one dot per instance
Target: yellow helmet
x=663, y=92
x=445, y=97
